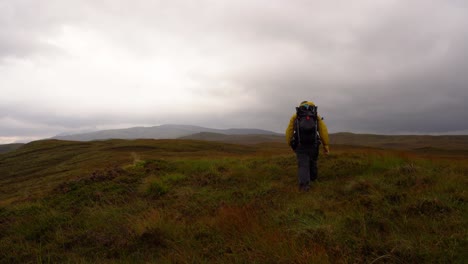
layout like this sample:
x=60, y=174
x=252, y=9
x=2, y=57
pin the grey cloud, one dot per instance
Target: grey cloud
x=20, y=28
x=403, y=79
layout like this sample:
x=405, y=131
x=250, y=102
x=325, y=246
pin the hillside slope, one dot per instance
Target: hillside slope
x=10, y=147
x=236, y=139
x=40, y=165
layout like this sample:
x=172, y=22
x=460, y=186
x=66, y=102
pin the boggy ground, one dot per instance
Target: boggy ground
x=179, y=201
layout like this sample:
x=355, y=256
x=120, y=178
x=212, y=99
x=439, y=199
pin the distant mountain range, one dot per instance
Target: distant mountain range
x=254, y=136
x=159, y=132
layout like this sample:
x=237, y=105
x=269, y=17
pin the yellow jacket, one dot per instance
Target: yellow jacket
x=323, y=131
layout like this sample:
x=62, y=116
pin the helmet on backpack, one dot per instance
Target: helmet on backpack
x=310, y=103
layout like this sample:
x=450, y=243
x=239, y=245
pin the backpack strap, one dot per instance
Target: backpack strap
x=296, y=126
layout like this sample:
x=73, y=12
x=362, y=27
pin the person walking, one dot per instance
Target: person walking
x=305, y=133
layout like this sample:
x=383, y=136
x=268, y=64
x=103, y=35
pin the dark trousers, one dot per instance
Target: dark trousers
x=307, y=164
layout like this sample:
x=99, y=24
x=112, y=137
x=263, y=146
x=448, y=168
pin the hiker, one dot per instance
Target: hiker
x=305, y=133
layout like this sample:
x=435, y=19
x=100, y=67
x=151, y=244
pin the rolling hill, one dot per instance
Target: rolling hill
x=419, y=143
x=253, y=136
x=414, y=142
x=237, y=139
x=10, y=147
x=438, y=145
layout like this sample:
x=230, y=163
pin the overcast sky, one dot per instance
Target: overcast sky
x=387, y=66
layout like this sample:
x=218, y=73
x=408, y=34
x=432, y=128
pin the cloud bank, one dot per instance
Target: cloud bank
x=371, y=66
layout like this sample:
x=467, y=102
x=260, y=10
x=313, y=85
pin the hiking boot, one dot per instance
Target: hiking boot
x=304, y=188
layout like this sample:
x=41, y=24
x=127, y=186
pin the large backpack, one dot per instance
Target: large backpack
x=306, y=126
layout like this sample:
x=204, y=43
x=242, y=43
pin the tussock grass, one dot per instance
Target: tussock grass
x=204, y=202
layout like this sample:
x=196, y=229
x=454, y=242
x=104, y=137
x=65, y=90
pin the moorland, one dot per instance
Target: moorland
x=194, y=201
